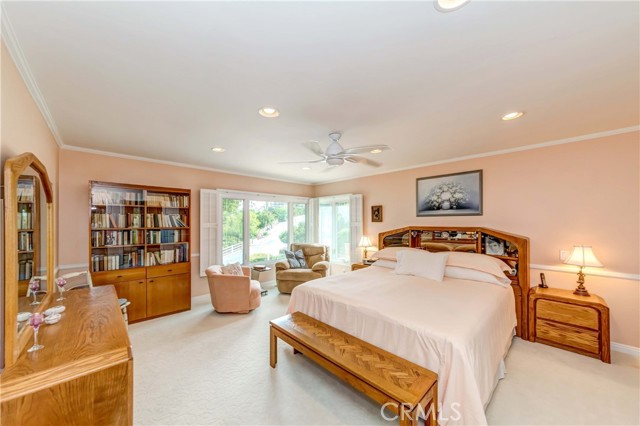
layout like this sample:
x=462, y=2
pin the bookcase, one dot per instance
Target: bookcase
x=28, y=197
x=140, y=243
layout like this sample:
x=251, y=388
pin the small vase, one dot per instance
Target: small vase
x=446, y=205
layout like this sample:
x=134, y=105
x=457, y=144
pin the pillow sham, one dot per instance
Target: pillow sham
x=296, y=260
x=421, y=263
x=390, y=253
x=232, y=269
x=384, y=263
x=474, y=275
x=478, y=262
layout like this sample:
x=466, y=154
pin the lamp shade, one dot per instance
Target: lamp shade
x=583, y=256
x=365, y=242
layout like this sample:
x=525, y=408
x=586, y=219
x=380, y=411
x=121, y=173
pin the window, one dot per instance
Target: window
x=340, y=225
x=249, y=228
x=268, y=230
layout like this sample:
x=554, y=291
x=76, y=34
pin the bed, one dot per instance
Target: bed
x=460, y=329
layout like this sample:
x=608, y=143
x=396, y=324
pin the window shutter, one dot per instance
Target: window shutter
x=209, y=221
x=312, y=221
x=355, y=211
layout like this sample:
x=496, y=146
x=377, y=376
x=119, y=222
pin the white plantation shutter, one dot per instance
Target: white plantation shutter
x=312, y=221
x=355, y=211
x=209, y=222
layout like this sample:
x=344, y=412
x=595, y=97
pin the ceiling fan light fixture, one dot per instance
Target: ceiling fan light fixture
x=335, y=161
x=449, y=5
x=512, y=115
x=375, y=151
x=269, y=111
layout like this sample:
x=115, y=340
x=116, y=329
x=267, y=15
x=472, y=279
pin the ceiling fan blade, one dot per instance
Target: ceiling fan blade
x=362, y=160
x=365, y=149
x=300, y=162
x=315, y=147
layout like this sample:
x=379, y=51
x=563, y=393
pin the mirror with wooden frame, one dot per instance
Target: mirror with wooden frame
x=28, y=248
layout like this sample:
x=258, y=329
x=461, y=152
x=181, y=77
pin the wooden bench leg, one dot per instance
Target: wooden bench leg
x=431, y=416
x=273, y=353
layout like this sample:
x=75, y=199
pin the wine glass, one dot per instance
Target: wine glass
x=35, y=321
x=60, y=282
x=34, y=286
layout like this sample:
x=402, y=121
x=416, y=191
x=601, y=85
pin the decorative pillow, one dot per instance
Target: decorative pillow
x=479, y=262
x=474, y=275
x=232, y=269
x=390, y=253
x=296, y=260
x=421, y=263
x=384, y=263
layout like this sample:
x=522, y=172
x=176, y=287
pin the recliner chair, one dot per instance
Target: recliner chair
x=317, y=258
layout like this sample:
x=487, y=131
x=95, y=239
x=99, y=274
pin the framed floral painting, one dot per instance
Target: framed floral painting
x=456, y=194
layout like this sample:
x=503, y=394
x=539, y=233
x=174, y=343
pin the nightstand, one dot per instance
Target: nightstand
x=576, y=323
x=356, y=266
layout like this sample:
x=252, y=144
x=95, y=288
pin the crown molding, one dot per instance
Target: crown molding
x=498, y=152
x=176, y=164
x=13, y=45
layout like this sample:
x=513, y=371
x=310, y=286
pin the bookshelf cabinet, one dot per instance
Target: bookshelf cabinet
x=140, y=242
x=28, y=220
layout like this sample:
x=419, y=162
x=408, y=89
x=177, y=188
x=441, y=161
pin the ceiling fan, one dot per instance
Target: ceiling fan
x=336, y=155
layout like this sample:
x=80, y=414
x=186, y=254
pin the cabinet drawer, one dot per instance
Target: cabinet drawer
x=582, y=316
x=108, y=277
x=567, y=335
x=171, y=269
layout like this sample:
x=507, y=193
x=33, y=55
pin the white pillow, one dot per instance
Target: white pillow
x=389, y=253
x=383, y=263
x=474, y=275
x=479, y=262
x=421, y=263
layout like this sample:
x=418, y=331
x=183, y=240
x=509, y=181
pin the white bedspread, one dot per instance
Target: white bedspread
x=459, y=329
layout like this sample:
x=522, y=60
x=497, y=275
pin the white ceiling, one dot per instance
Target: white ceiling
x=170, y=80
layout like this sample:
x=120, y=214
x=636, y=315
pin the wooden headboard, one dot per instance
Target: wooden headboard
x=510, y=248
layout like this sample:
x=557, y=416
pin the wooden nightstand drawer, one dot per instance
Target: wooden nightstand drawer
x=582, y=316
x=566, y=335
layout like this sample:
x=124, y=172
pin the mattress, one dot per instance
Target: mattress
x=459, y=329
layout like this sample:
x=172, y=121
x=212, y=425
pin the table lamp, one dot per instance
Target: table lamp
x=365, y=242
x=582, y=256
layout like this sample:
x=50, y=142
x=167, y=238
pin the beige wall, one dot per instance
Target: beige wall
x=22, y=130
x=78, y=168
x=579, y=193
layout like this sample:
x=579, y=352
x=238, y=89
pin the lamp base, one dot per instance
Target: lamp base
x=581, y=291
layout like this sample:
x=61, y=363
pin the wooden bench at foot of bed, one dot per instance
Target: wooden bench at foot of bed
x=401, y=386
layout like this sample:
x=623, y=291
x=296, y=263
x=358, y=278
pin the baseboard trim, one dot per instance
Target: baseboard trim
x=625, y=349
x=73, y=266
x=592, y=271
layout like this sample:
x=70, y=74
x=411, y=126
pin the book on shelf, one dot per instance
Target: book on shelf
x=166, y=236
x=25, y=192
x=25, y=219
x=109, y=197
x=25, y=270
x=111, y=262
x=25, y=241
x=167, y=200
x=115, y=238
x=156, y=220
x=166, y=256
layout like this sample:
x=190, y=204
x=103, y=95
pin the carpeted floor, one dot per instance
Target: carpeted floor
x=201, y=367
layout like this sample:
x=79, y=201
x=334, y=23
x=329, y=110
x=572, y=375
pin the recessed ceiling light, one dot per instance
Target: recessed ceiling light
x=306, y=168
x=269, y=112
x=217, y=149
x=449, y=5
x=375, y=151
x=512, y=115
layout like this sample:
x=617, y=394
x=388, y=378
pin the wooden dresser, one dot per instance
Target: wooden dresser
x=576, y=323
x=84, y=374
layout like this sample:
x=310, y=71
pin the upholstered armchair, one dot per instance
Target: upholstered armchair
x=317, y=258
x=233, y=293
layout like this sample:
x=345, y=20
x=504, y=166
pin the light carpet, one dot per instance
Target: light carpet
x=201, y=367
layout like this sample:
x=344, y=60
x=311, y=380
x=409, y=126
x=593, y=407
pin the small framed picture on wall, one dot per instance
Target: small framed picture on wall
x=376, y=213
